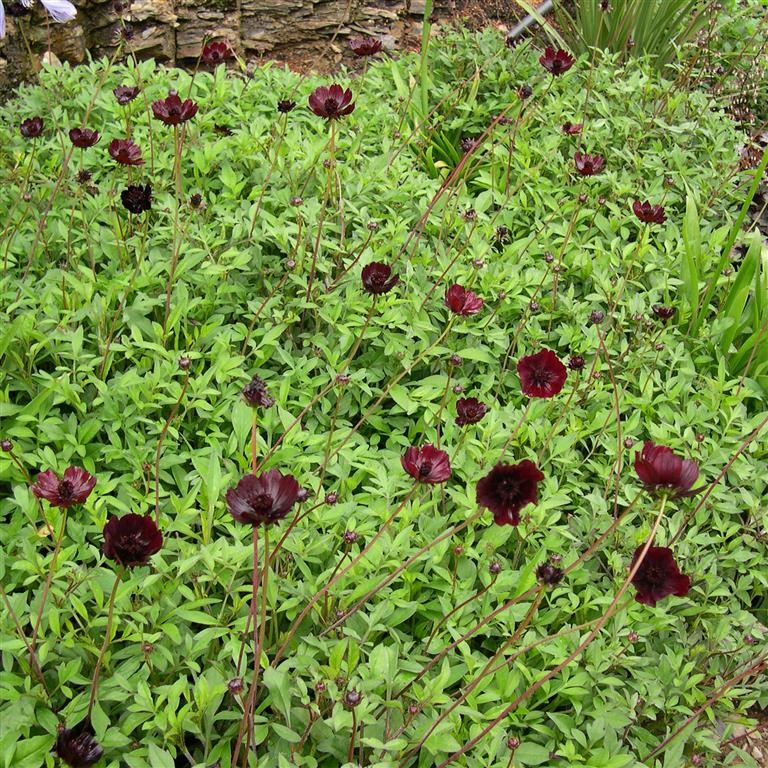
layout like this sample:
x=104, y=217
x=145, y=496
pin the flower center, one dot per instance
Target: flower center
x=425, y=468
x=509, y=491
x=260, y=502
x=331, y=106
x=65, y=490
x=541, y=378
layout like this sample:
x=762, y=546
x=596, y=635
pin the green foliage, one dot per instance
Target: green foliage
x=652, y=28
x=91, y=378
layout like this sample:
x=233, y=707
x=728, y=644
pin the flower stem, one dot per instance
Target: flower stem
x=178, y=139
x=341, y=574
x=360, y=335
x=34, y=666
x=254, y=423
x=105, y=644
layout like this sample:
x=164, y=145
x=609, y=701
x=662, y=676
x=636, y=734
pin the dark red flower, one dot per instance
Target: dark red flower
x=542, y=374
x=125, y=94
x=136, y=198
x=284, y=106
x=125, y=152
x=31, y=128
x=216, y=52
x=426, y=464
x=660, y=469
x=83, y=137
x=131, y=540
x=256, y=394
x=461, y=301
x=262, y=499
x=556, y=62
x=365, y=46
x=469, y=410
x=549, y=575
x=378, y=278
x=576, y=362
x=572, y=129
x=172, y=110
x=663, y=313
x=649, y=214
x=331, y=101
x=77, y=746
x=74, y=487
x=507, y=488
x=658, y=576
x=588, y=165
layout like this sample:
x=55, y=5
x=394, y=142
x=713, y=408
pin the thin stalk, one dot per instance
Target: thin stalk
x=178, y=138
x=160, y=441
x=105, y=644
x=332, y=582
x=360, y=335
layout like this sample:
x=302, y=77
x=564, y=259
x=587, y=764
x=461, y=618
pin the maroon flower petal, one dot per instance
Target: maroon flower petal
x=658, y=576
x=426, y=464
x=507, y=488
x=541, y=374
x=131, y=540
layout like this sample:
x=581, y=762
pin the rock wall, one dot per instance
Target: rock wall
x=172, y=30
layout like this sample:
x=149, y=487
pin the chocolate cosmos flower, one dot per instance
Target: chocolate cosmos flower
x=125, y=152
x=74, y=487
x=469, y=410
x=83, y=137
x=172, y=110
x=262, y=499
x=136, y=198
x=663, y=313
x=661, y=470
x=461, y=301
x=216, y=53
x=649, y=214
x=284, y=106
x=542, y=374
x=365, y=46
x=77, y=746
x=331, y=101
x=131, y=540
x=658, y=576
x=256, y=395
x=426, y=464
x=31, y=128
x=125, y=94
x=588, y=165
x=507, y=488
x=378, y=278
x=549, y=575
x=556, y=62
x=572, y=129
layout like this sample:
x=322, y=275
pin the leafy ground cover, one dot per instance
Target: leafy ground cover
x=442, y=397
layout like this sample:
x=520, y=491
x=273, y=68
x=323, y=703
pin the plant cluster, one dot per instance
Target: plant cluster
x=389, y=422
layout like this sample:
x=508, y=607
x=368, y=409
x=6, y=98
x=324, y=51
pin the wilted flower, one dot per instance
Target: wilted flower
x=541, y=374
x=284, y=106
x=131, y=540
x=658, y=576
x=31, y=128
x=524, y=92
x=222, y=130
x=172, y=110
x=426, y=464
x=588, y=165
x=196, y=200
x=556, y=62
x=365, y=46
x=331, y=101
x=467, y=144
x=572, y=129
x=596, y=316
x=83, y=137
x=125, y=152
x=77, y=746
x=649, y=214
x=255, y=394
x=125, y=94
x=216, y=52
x=548, y=574
x=74, y=487
x=660, y=469
x=378, y=278
x=262, y=499
x=575, y=362
x=136, y=198
x=461, y=301
x=469, y=410
x=507, y=488
x=663, y=313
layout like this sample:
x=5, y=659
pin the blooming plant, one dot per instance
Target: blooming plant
x=402, y=447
